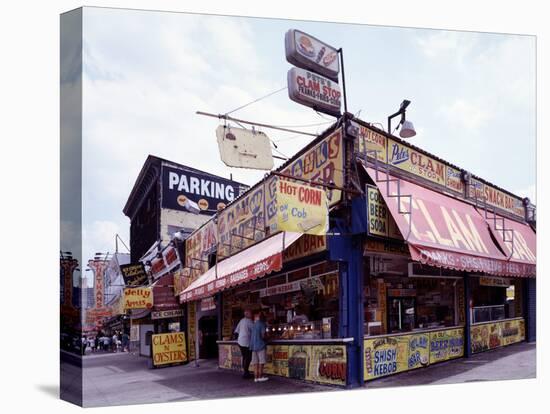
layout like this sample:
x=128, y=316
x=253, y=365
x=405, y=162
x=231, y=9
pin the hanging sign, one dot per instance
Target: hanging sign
x=133, y=274
x=138, y=298
x=307, y=52
x=309, y=89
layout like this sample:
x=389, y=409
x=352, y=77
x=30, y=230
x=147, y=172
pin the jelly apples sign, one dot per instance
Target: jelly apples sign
x=309, y=89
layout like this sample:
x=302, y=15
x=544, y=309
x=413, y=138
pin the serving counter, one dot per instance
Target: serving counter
x=493, y=334
x=389, y=354
x=322, y=361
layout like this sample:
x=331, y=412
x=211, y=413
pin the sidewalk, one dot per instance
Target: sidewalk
x=516, y=361
x=122, y=378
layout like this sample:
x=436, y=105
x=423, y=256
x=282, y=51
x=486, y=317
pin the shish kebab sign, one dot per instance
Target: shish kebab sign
x=314, y=82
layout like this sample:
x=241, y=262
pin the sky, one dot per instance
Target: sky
x=145, y=74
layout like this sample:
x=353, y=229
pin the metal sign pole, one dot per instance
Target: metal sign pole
x=341, y=52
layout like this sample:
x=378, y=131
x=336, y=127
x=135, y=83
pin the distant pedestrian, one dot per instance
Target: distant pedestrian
x=243, y=331
x=258, y=346
x=97, y=344
x=114, y=341
x=125, y=342
x=91, y=344
x=84, y=343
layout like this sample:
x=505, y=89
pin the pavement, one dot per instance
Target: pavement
x=123, y=379
x=512, y=362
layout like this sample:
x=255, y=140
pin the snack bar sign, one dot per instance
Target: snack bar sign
x=313, y=90
x=307, y=52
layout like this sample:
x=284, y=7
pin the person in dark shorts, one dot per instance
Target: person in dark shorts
x=243, y=331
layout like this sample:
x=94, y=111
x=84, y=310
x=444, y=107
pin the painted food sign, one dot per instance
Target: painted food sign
x=495, y=198
x=492, y=335
x=133, y=274
x=191, y=328
x=313, y=90
x=138, y=298
x=305, y=246
x=169, y=348
x=392, y=354
x=308, y=52
x=414, y=162
x=445, y=345
x=197, y=248
x=328, y=364
x=324, y=163
x=453, y=180
x=380, y=221
x=242, y=223
x=277, y=360
x=301, y=208
x=368, y=141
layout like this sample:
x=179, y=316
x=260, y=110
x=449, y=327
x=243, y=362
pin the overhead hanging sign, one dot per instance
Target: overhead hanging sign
x=138, y=298
x=313, y=90
x=133, y=274
x=307, y=52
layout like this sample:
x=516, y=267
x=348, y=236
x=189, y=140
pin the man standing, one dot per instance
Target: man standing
x=258, y=346
x=244, y=330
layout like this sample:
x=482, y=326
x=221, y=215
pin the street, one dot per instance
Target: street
x=121, y=378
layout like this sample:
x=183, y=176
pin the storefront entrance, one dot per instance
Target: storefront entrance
x=208, y=335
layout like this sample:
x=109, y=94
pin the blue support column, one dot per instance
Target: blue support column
x=467, y=300
x=530, y=309
x=347, y=250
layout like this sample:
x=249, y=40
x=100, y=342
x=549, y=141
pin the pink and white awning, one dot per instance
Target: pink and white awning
x=252, y=263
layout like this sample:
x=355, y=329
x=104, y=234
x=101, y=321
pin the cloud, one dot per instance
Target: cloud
x=465, y=113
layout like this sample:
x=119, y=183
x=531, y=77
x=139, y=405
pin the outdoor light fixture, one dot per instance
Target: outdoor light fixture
x=407, y=127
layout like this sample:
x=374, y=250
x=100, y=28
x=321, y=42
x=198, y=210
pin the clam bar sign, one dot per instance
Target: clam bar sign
x=208, y=191
x=309, y=89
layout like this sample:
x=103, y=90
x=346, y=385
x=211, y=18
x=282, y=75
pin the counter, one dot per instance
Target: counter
x=321, y=361
x=493, y=334
x=393, y=353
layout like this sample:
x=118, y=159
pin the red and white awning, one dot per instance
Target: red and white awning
x=450, y=233
x=252, y=263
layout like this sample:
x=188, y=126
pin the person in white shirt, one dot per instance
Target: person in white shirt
x=244, y=331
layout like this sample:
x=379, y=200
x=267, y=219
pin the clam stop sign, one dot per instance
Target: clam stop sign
x=314, y=82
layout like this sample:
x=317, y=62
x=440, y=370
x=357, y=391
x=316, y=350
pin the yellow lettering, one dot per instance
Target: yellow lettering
x=440, y=240
x=471, y=234
x=455, y=233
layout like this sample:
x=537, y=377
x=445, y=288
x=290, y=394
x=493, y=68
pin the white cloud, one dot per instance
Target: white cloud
x=465, y=113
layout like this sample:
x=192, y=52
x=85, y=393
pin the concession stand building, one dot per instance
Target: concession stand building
x=369, y=257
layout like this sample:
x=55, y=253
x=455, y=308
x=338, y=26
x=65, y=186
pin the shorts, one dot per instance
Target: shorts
x=258, y=357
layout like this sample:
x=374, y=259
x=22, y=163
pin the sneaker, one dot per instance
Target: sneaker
x=262, y=379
